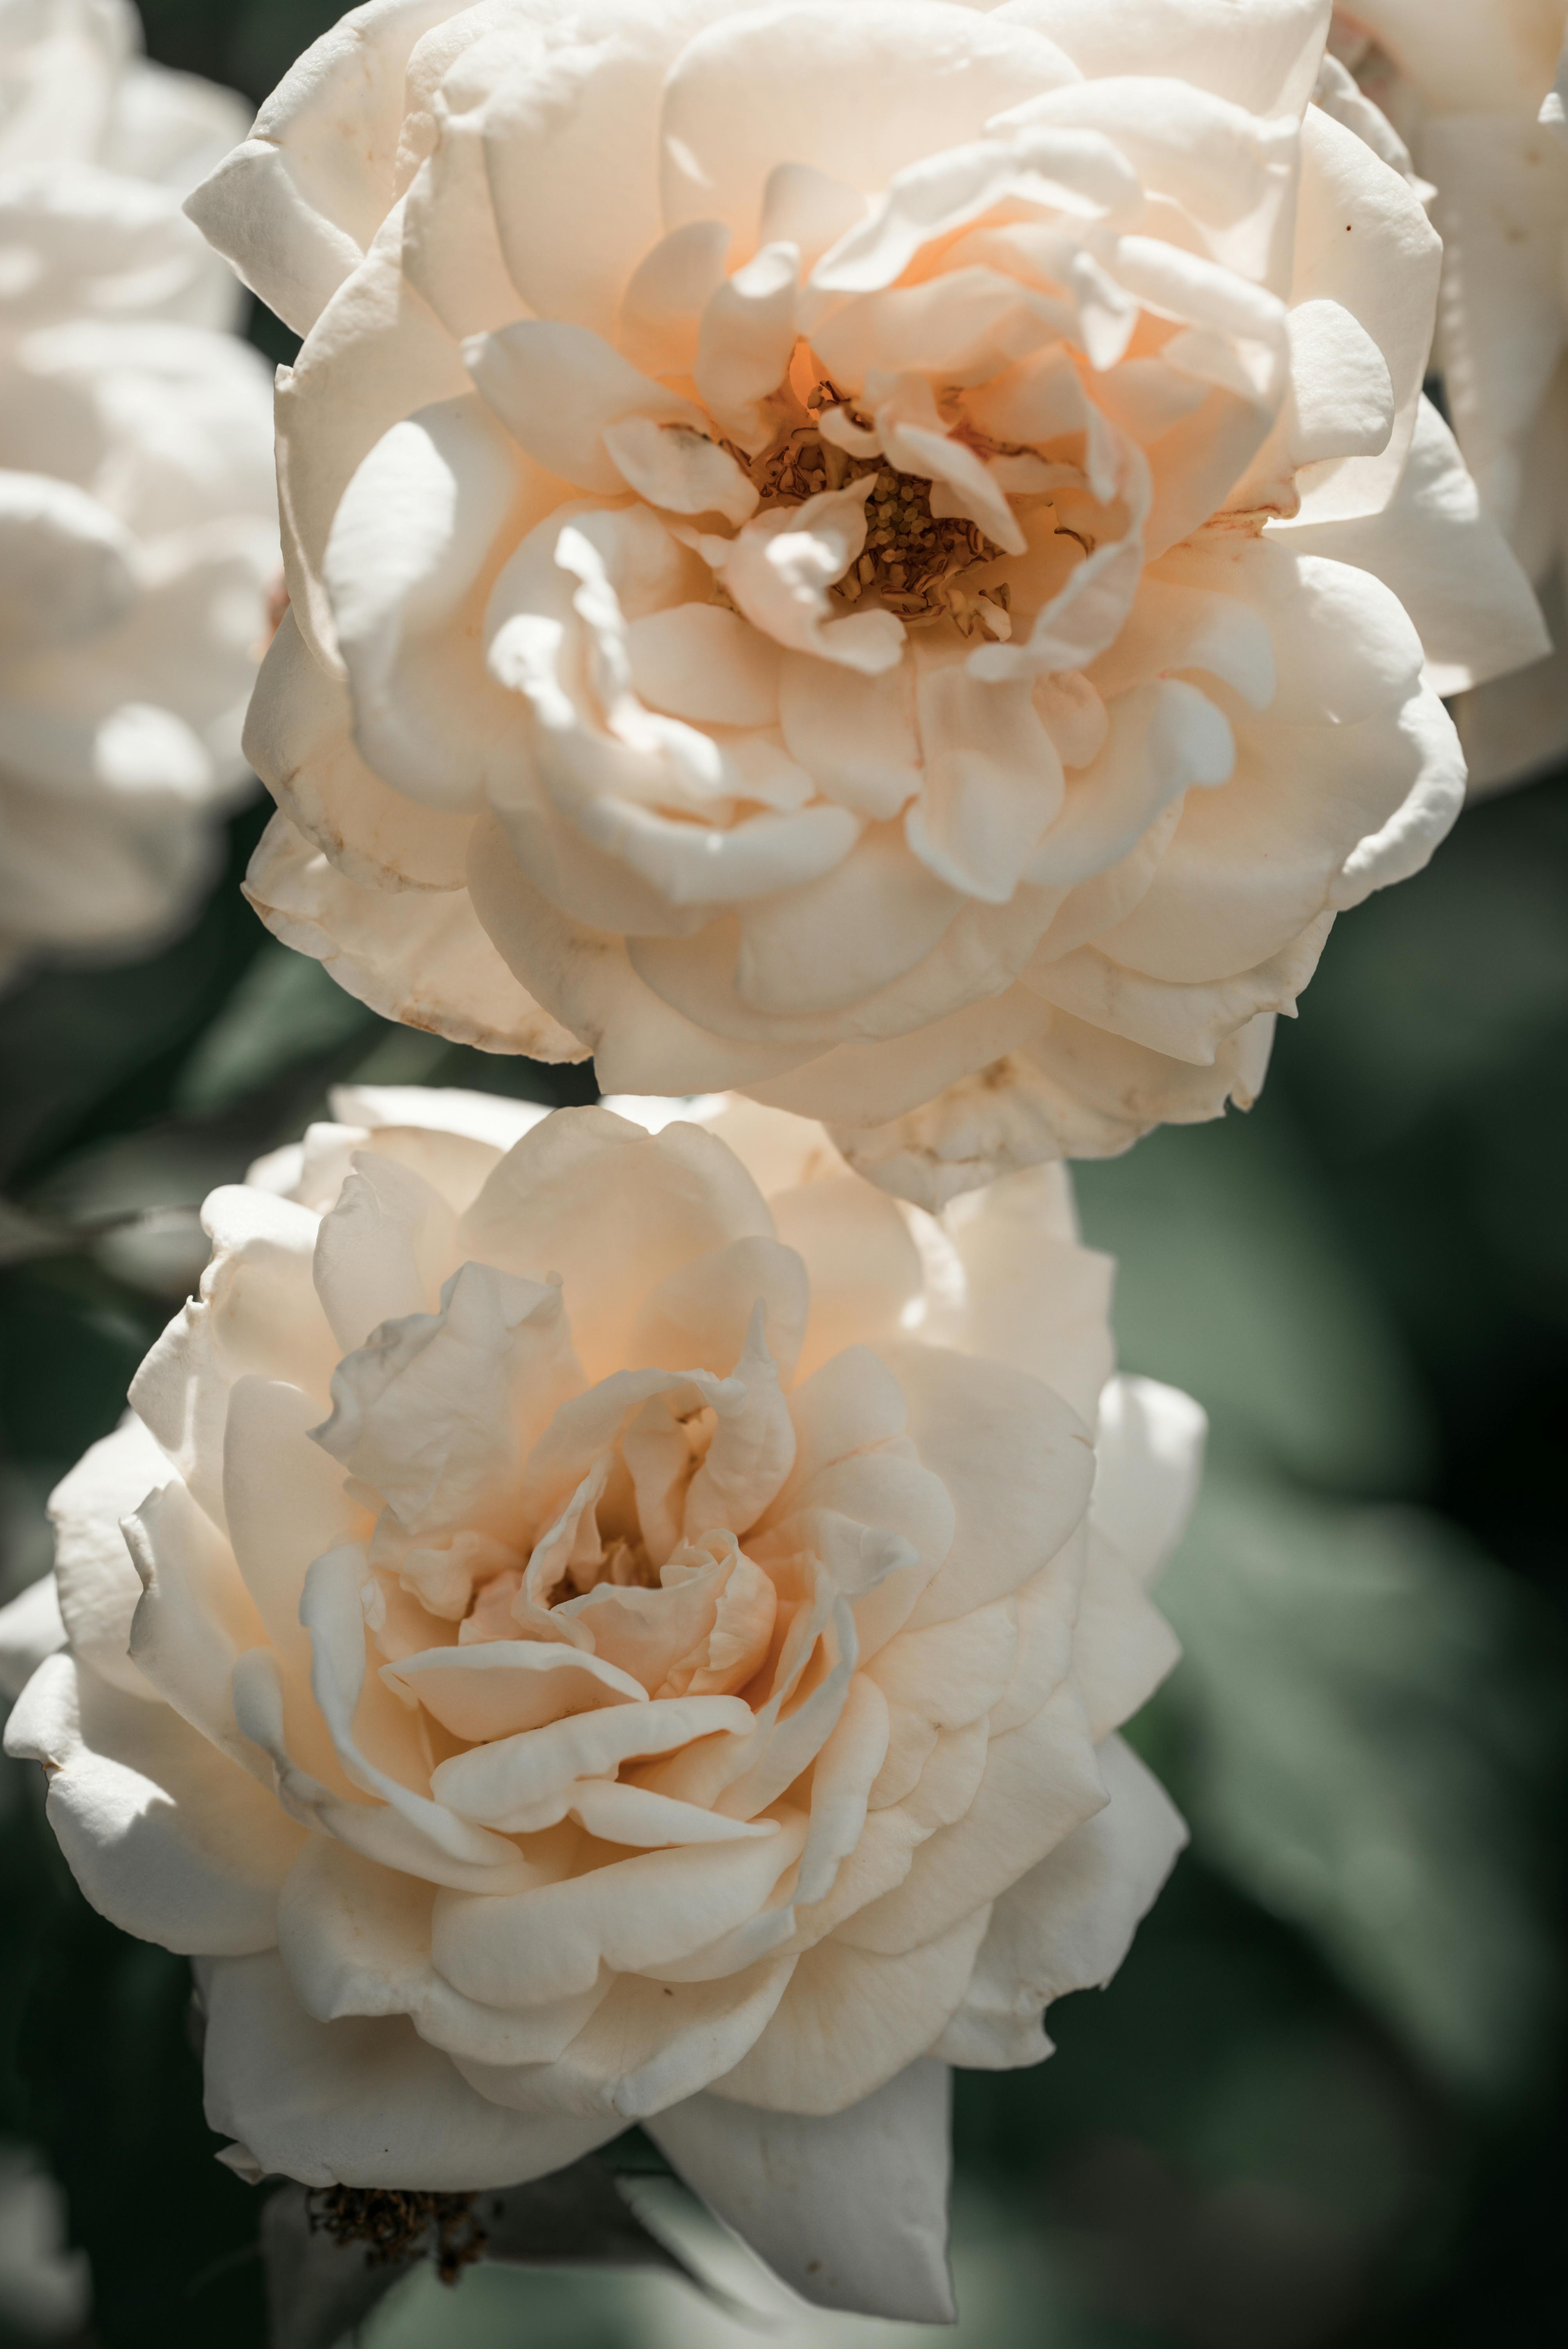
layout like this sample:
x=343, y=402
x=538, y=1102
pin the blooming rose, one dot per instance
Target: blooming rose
x=138, y=521
x=1470, y=85
x=854, y=551
x=617, y=1629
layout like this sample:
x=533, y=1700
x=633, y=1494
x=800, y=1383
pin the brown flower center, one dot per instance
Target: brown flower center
x=913, y=560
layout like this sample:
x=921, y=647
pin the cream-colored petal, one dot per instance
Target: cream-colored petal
x=1124, y=1646
x=851, y=2209
x=556, y=386
x=1264, y=61
x=417, y=536
x=1069, y=1924
x=613, y=1210
x=298, y=739
x=1040, y=1303
x=750, y=91
x=512, y=1783
x=166, y=1838
x=863, y=1270
x=506, y=1686
x=1446, y=560
x=384, y=1248
x=1041, y=1781
x=436, y=1411
x=194, y=1618
x=429, y=964
x=1149, y=1454
x=1385, y=273
x=97, y=1584
x=1016, y=1462
x=354, y=1939
x=525, y=1949
x=647, y=2045
x=364, y=2101
x=850, y=2020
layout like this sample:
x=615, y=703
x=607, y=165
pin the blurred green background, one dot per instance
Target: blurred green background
x=1322, y=2105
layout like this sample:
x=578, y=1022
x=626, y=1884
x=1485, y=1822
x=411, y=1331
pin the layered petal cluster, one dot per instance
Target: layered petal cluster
x=138, y=515
x=870, y=552
x=615, y=1625
x=1476, y=91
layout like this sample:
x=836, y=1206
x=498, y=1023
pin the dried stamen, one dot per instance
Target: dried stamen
x=914, y=559
x=394, y=2225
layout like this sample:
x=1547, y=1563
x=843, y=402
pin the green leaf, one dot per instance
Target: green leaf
x=87, y=1050
x=116, y=2099
x=1370, y=1704
x=1236, y=1284
x=285, y=1010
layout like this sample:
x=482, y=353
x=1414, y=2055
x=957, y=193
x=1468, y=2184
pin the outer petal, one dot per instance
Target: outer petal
x=851, y=2020
x=1054, y=1087
x=426, y=962
x=257, y=1313
x=415, y=542
x=1385, y=272
x=1069, y=1924
x=1017, y=1463
x=1150, y=1450
x=166, y=1839
x=852, y=2209
x=1041, y=1782
x=1446, y=560
x=1501, y=201
x=96, y=1583
x=1264, y=60
x=1037, y=1302
x=363, y=2101
x=30, y=1630
x=298, y=739
x=296, y=206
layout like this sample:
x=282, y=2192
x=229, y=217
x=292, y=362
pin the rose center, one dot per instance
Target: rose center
x=913, y=560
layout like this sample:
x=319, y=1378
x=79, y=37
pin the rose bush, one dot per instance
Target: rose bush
x=626, y=1626
x=862, y=552
x=1466, y=82
x=138, y=517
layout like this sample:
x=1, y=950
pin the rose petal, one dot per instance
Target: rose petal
x=850, y=2020
x=1150, y=1450
x=1069, y=1922
x=362, y=2101
x=851, y=2209
x=96, y=1583
x=166, y=1838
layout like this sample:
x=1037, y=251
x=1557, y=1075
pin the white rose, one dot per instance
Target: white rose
x=619, y=1631
x=845, y=551
x=1470, y=85
x=138, y=517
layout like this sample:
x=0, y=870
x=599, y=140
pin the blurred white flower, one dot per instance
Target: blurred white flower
x=1470, y=87
x=863, y=554
x=622, y=1627
x=137, y=516
x=45, y=2288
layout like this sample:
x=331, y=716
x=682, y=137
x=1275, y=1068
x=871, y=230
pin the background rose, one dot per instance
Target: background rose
x=393, y=1726
x=138, y=518
x=1465, y=81
x=1056, y=692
